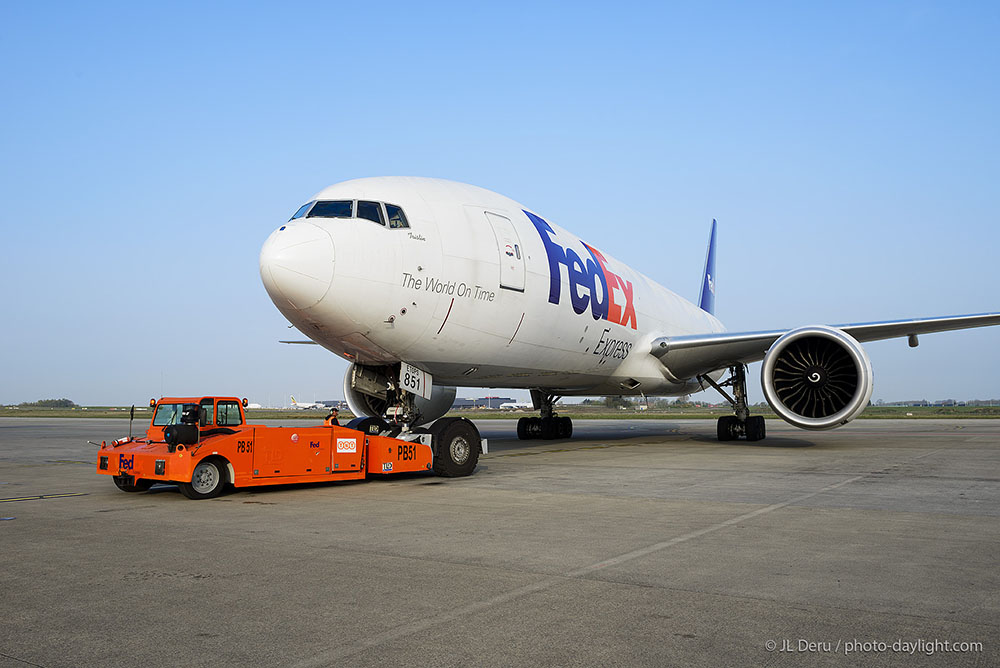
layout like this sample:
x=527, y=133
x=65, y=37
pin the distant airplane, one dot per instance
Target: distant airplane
x=425, y=284
x=302, y=405
x=515, y=405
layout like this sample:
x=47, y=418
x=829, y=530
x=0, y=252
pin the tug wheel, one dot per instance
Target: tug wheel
x=207, y=481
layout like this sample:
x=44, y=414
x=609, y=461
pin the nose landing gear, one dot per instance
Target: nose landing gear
x=549, y=426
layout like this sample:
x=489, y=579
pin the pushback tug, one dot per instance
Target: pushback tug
x=203, y=443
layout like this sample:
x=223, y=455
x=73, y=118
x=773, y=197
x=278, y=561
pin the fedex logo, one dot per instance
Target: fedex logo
x=604, y=303
x=126, y=463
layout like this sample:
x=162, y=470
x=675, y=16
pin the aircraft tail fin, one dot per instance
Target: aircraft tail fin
x=706, y=300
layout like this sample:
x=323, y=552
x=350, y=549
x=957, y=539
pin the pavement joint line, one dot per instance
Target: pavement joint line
x=814, y=606
x=40, y=497
x=332, y=656
x=27, y=663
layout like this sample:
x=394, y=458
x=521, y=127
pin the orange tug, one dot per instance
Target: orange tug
x=203, y=443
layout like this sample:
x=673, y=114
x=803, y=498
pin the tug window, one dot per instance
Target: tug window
x=167, y=414
x=205, y=412
x=332, y=209
x=397, y=219
x=227, y=414
x=371, y=211
x=302, y=210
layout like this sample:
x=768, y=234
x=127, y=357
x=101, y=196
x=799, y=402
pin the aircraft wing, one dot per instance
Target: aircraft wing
x=690, y=356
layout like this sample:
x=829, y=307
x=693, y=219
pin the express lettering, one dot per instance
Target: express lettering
x=586, y=275
x=608, y=348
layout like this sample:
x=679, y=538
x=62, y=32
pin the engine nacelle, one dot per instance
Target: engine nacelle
x=365, y=391
x=817, y=377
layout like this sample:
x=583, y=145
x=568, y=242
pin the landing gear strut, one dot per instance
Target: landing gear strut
x=403, y=411
x=731, y=427
x=549, y=426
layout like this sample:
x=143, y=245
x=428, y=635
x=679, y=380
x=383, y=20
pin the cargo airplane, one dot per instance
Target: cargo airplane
x=306, y=405
x=515, y=406
x=425, y=284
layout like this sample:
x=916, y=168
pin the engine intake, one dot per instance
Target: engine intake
x=817, y=377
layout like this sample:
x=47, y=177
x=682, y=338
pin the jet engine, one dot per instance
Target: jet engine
x=370, y=392
x=817, y=377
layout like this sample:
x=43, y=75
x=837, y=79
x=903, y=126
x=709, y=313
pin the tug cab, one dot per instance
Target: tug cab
x=213, y=413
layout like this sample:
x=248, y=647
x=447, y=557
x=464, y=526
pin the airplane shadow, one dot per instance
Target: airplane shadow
x=768, y=442
x=671, y=435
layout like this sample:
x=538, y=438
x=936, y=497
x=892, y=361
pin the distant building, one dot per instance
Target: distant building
x=484, y=402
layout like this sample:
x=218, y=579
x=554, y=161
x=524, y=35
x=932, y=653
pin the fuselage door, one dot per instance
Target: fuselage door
x=511, y=253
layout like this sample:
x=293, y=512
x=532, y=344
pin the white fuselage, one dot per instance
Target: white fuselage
x=477, y=291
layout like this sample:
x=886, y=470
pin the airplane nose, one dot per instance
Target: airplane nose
x=296, y=264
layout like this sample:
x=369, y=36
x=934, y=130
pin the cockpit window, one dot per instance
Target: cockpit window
x=332, y=209
x=302, y=210
x=371, y=211
x=391, y=216
x=397, y=219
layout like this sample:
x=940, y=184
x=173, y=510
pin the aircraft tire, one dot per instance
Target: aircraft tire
x=533, y=428
x=565, y=427
x=522, y=429
x=726, y=428
x=756, y=431
x=456, y=447
x=207, y=481
x=136, y=484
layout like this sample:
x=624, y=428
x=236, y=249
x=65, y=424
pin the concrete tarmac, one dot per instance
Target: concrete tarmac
x=636, y=543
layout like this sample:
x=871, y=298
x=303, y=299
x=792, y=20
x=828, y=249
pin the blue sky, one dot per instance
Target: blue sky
x=849, y=152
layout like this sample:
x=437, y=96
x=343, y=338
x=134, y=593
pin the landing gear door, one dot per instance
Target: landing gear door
x=511, y=252
x=415, y=380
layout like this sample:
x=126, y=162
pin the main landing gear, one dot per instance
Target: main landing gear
x=549, y=426
x=732, y=427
